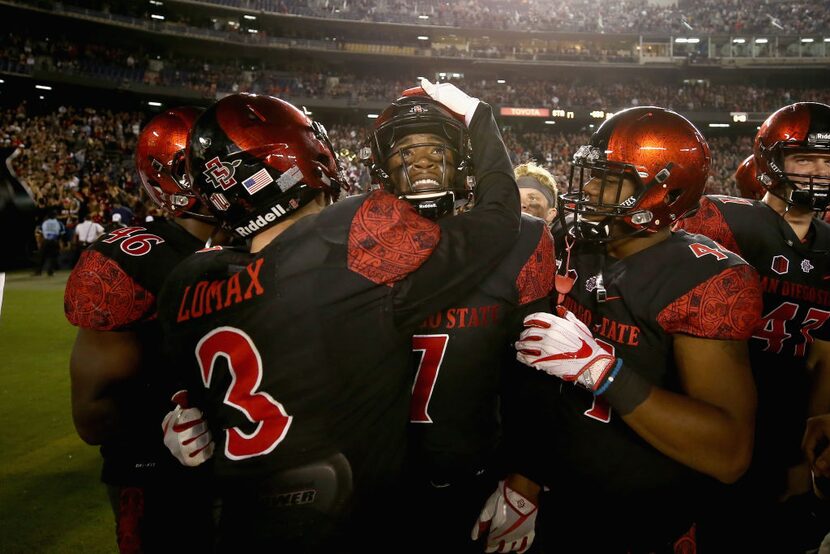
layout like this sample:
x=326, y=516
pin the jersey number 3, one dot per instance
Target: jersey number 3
x=245, y=366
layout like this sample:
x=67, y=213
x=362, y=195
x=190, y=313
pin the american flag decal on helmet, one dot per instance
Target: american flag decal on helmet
x=257, y=181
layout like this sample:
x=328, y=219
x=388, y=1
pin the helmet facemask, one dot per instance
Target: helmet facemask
x=805, y=190
x=422, y=171
x=610, y=216
x=421, y=153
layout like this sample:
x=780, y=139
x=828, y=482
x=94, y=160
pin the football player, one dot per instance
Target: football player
x=298, y=349
x=784, y=238
x=420, y=152
x=537, y=187
x=747, y=180
x=119, y=378
x=656, y=401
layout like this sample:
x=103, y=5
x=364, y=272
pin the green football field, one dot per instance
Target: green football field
x=50, y=496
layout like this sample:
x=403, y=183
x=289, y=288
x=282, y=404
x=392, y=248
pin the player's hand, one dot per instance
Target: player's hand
x=452, y=97
x=186, y=433
x=816, y=445
x=508, y=519
x=563, y=346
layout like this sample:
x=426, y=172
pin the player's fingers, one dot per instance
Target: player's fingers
x=197, y=442
x=480, y=529
x=822, y=464
x=180, y=398
x=541, y=320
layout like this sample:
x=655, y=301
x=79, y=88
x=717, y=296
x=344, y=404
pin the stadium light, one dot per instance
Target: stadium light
x=157, y=16
x=372, y=116
x=43, y=87
x=826, y=39
x=550, y=122
x=423, y=37
x=719, y=125
x=254, y=31
x=2, y=81
x=154, y=104
x=156, y=3
x=681, y=40
x=501, y=81
x=761, y=41
x=693, y=40
x=738, y=40
x=251, y=17
x=807, y=40
x=423, y=17
x=42, y=97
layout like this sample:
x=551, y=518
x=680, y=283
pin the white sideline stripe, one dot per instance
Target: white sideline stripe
x=2, y=285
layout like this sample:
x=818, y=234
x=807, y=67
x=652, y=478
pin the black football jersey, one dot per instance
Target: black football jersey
x=302, y=351
x=460, y=352
x=114, y=287
x=574, y=442
x=795, y=277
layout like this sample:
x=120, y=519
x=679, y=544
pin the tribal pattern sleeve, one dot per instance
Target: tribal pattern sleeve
x=388, y=240
x=101, y=296
x=726, y=306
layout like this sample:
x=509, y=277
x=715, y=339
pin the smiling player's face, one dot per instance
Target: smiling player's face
x=421, y=163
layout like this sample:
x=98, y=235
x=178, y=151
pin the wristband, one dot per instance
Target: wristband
x=624, y=389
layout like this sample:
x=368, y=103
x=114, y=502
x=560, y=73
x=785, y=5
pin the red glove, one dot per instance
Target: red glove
x=508, y=519
x=186, y=433
x=563, y=346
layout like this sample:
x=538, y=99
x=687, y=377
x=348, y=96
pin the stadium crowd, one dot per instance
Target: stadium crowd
x=63, y=55
x=78, y=162
x=634, y=16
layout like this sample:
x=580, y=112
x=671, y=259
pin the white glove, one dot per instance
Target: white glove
x=186, y=433
x=508, y=519
x=452, y=97
x=564, y=347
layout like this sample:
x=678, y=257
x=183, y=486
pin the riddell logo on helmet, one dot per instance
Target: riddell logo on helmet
x=261, y=221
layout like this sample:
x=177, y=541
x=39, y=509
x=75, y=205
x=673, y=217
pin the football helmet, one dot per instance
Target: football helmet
x=747, y=180
x=398, y=165
x=159, y=160
x=254, y=159
x=662, y=154
x=799, y=127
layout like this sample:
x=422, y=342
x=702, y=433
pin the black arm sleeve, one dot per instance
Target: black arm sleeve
x=473, y=242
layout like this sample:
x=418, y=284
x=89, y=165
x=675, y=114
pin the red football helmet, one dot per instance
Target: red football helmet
x=254, y=159
x=416, y=113
x=800, y=127
x=159, y=160
x=659, y=151
x=747, y=179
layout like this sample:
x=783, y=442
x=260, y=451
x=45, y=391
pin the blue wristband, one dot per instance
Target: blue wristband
x=610, y=379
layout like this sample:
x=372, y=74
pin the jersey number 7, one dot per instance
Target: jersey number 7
x=432, y=348
x=245, y=366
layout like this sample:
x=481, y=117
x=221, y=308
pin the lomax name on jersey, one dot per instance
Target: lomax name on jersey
x=206, y=297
